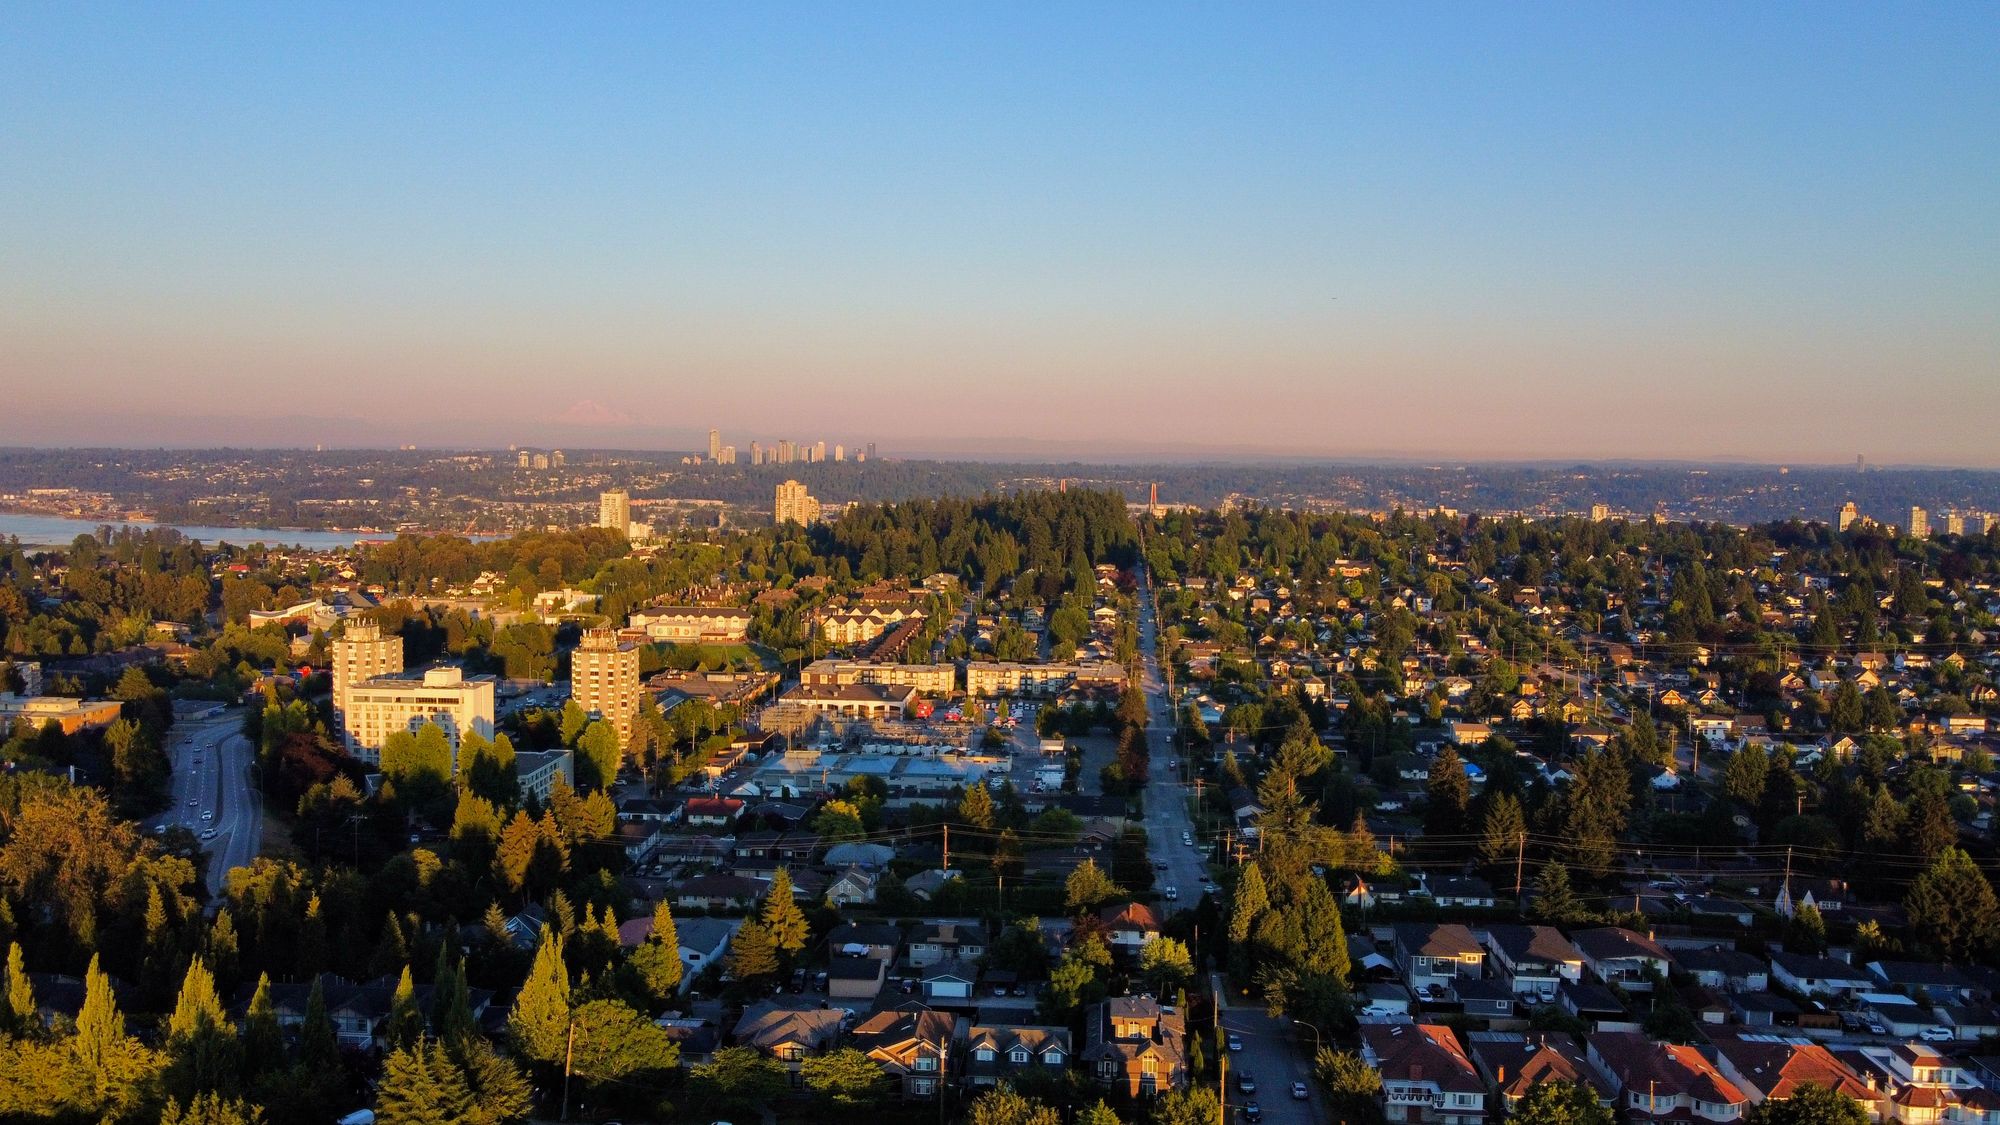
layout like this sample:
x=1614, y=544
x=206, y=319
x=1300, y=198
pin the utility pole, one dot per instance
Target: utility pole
x=569, y=1056
x=947, y=848
x=1520, y=856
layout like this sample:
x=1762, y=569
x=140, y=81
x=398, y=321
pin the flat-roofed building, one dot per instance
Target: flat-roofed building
x=69, y=715
x=793, y=504
x=1005, y=677
x=614, y=509
x=359, y=654
x=536, y=771
x=930, y=679
x=380, y=707
x=694, y=624
x=604, y=680
x=858, y=701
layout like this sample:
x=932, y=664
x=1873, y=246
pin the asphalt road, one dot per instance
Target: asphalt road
x=212, y=792
x=1167, y=819
x=1272, y=1053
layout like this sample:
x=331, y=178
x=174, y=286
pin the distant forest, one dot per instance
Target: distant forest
x=186, y=484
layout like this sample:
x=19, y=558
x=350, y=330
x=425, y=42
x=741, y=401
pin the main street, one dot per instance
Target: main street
x=1270, y=1051
x=212, y=794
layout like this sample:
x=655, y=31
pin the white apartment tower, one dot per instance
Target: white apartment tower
x=714, y=446
x=360, y=653
x=614, y=509
x=604, y=679
x=384, y=705
x=1920, y=523
x=1848, y=514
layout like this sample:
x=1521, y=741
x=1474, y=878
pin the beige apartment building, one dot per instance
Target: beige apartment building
x=604, y=679
x=69, y=715
x=929, y=679
x=360, y=653
x=694, y=624
x=793, y=504
x=1009, y=678
x=858, y=626
x=380, y=707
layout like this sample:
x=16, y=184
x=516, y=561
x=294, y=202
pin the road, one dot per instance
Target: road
x=212, y=792
x=1167, y=819
x=1271, y=1051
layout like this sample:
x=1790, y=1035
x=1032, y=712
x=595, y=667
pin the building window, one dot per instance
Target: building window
x=983, y=1054
x=921, y=1086
x=1017, y=1055
x=926, y=1062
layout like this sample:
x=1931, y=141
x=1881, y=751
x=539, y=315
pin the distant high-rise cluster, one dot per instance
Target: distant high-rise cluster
x=783, y=452
x=530, y=459
x=1919, y=523
x=793, y=504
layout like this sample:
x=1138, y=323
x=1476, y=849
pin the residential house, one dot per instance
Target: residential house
x=1665, y=1081
x=789, y=1030
x=1131, y=926
x=1818, y=976
x=704, y=942
x=1004, y=1052
x=1770, y=1068
x=1134, y=1044
x=1516, y=1062
x=853, y=886
x=1726, y=970
x=1534, y=960
x=855, y=978
x=711, y=812
x=1621, y=957
x=1426, y=1074
x=949, y=982
x=718, y=892
x=1437, y=955
x=946, y=939
x=912, y=1044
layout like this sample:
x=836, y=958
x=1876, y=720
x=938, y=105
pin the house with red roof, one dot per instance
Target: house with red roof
x=1665, y=1081
x=1426, y=1074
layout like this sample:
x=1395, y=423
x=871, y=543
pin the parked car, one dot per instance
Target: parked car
x=1235, y=1043
x=1172, y=894
x=1246, y=1083
x=1936, y=1035
x=1300, y=1092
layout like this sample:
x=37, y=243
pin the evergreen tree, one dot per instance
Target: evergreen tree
x=1931, y=827
x=597, y=755
x=406, y=1019
x=211, y=1109
x=451, y=1008
x=319, y=1049
x=1447, y=794
x=1247, y=902
x=1324, y=939
x=200, y=1038
x=783, y=919
x=1003, y=1106
x=263, y=1038
x=1099, y=1114
x=1352, y=1086
x=1086, y=887
x=21, y=1017
x=312, y=939
x=1952, y=907
x=421, y=1085
x=658, y=958
x=1555, y=901
x=976, y=806
x=752, y=955
x=539, y=1022
x=198, y=1006
x=1505, y=829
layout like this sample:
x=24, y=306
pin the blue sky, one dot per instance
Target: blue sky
x=1485, y=230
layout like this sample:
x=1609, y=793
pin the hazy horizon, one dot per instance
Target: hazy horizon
x=1759, y=235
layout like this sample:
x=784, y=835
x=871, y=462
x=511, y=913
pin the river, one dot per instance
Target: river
x=55, y=531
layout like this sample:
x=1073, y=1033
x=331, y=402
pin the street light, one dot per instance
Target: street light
x=1315, y=1031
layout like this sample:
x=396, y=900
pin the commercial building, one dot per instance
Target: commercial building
x=858, y=701
x=604, y=679
x=984, y=677
x=794, y=505
x=930, y=679
x=614, y=509
x=380, y=707
x=360, y=653
x=70, y=715
x=697, y=624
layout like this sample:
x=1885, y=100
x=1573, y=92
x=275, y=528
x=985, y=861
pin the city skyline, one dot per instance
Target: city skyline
x=1428, y=232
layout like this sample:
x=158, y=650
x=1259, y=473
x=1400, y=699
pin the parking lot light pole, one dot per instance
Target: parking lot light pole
x=1315, y=1031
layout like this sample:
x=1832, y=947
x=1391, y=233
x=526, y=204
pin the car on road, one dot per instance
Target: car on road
x=1300, y=1092
x=1246, y=1083
x=193, y=801
x=1235, y=1043
x=1252, y=1112
x=1173, y=894
x=1209, y=888
x=1159, y=865
x=208, y=816
x=208, y=833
